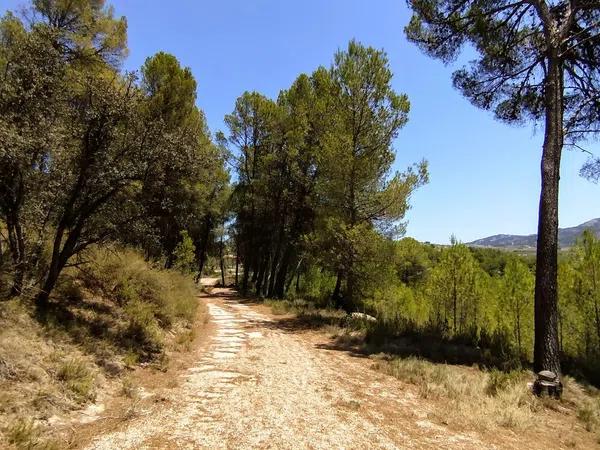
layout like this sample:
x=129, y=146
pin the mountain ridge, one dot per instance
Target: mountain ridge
x=566, y=237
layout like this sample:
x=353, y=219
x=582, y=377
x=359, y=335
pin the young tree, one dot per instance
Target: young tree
x=538, y=61
x=356, y=185
x=453, y=289
x=516, y=299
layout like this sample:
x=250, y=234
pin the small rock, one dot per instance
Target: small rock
x=112, y=368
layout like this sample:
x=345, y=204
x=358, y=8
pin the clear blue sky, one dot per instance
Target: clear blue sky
x=484, y=174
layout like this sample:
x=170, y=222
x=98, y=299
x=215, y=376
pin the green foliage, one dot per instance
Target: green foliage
x=579, y=302
x=90, y=154
x=312, y=188
x=152, y=299
x=516, y=304
x=185, y=254
x=455, y=286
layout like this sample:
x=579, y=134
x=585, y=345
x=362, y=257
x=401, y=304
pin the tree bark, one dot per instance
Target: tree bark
x=221, y=262
x=335, y=296
x=279, y=289
x=546, y=348
x=237, y=262
x=245, y=277
x=203, y=246
x=260, y=276
x=18, y=252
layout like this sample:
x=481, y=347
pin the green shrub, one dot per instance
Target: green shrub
x=143, y=331
x=126, y=277
x=78, y=378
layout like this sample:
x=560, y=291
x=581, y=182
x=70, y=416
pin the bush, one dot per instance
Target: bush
x=78, y=378
x=24, y=434
x=127, y=278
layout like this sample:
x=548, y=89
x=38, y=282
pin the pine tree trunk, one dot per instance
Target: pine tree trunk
x=237, y=265
x=546, y=349
x=260, y=277
x=203, y=247
x=279, y=289
x=17, y=247
x=335, y=296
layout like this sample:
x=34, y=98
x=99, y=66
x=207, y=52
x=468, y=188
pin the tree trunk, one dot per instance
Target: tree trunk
x=245, y=277
x=279, y=289
x=60, y=255
x=260, y=274
x=546, y=348
x=335, y=296
x=237, y=264
x=17, y=249
x=221, y=263
x=203, y=246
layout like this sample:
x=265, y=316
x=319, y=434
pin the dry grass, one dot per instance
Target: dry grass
x=486, y=400
x=109, y=315
x=24, y=434
x=78, y=378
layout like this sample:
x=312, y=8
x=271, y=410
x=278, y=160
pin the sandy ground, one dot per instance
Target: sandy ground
x=260, y=384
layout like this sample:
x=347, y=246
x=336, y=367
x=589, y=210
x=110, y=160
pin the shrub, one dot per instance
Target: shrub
x=499, y=381
x=78, y=378
x=143, y=330
x=589, y=415
x=24, y=434
x=129, y=280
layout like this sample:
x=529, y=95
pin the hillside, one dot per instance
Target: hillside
x=566, y=237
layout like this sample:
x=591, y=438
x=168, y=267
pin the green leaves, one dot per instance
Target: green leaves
x=515, y=41
x=87, y=151
x=314, y=170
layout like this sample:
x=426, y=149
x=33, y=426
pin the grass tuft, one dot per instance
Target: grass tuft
x=24, y=434
x=78, y=378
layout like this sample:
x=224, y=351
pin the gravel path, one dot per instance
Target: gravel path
x=261, y=385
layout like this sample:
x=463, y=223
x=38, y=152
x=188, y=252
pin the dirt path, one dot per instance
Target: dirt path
x=261, y=385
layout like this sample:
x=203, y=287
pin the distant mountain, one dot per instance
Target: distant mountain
x=566, y=237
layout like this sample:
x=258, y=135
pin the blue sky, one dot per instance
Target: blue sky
x=484, y=174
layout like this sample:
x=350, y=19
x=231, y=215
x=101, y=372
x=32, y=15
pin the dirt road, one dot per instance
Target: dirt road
x=261, y=384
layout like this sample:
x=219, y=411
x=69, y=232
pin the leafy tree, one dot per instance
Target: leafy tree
x=31, y=92
x=413, y=260
x=253, y=133
x=88, y=32
x=93, y=180
x=356, y=186
x=173, y=198
x=62, y=38
x=538, y=61
x=185, y=254
x=454, y=290
x=516, y=302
